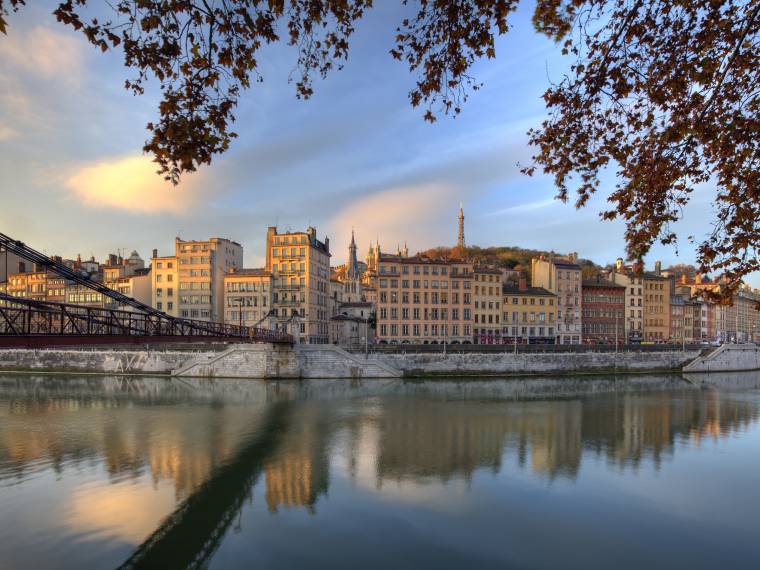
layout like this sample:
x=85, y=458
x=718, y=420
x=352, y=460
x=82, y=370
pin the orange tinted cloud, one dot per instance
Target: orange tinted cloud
x=423, y=215
x=131, y=183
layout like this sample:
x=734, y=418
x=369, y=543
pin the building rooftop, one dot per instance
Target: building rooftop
x=357, y=304
x=535, y=291
x=491, y=270
x=599, y=282
x=564, y=264
x=347, y=318
x=252, y=272
x=653, y=276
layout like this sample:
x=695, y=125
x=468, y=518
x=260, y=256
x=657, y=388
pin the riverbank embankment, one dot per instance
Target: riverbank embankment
x=266, y=361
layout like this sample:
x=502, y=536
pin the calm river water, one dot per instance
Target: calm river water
x=645, y=472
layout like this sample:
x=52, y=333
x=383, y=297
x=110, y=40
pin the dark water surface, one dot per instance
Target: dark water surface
x=645, y=472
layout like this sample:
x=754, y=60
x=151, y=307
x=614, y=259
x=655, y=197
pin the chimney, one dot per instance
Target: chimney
x=683, y=279
x=619, y=263
x=698, y=279
x=658, y=267
x=523, y=283
x=112, y=259
x=574, y=256
x=155, y=253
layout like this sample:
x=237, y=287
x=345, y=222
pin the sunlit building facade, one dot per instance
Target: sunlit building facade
x=424, y=301
x=300, y=268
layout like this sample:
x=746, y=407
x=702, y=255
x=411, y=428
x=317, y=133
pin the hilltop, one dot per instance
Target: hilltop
x=508, y=257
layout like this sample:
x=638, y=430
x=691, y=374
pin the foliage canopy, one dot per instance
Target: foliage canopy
x=665, y=93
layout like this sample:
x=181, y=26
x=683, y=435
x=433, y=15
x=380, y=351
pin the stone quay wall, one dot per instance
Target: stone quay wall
x=504, y=364
x=325, y=361
x=95, y=361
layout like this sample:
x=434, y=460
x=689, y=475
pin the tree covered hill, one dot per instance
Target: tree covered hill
x=509, y=257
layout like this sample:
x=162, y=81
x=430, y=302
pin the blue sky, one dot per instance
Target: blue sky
x=74, y=179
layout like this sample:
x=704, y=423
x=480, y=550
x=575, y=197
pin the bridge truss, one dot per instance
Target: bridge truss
x=25, y=322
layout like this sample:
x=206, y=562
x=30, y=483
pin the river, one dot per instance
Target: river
x=627, y=472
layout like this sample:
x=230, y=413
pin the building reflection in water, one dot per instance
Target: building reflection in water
x=395, y=432
x=299, y=473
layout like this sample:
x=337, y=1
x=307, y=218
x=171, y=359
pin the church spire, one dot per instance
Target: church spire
x=353, y=263
x=460, y=239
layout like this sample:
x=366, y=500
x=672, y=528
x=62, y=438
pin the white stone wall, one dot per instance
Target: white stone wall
x=95, y=361
x=727, y=358
x=265, y=361
x=547, y=363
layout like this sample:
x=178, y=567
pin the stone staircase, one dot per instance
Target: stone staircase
x=727, y=358
x=301, y=361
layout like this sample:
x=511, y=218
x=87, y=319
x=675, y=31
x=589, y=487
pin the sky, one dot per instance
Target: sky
x=73, y=178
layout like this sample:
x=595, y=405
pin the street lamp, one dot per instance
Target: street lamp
x=514, y=331
x=240, y=307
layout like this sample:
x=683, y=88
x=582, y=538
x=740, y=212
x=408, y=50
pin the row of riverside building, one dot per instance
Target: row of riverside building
x=396, y=298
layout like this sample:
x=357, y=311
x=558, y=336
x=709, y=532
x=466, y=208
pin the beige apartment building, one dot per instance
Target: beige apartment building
x=424, y=301
x=190, y=283
x=300, y=267
x=563, y=278
x=248, y=298
x=31, y=285
x=82, y=295
x=529, y=314
x=487, y=310
x=657, y=293
x=732, y=320
x=129, y=277
x=634, y=300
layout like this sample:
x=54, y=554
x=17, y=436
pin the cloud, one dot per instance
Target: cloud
x=44, y=52
x=422, y=215
x=527, y=207
x=7, y=133
x=130, y=183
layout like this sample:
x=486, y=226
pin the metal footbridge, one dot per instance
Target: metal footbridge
x=39, y=323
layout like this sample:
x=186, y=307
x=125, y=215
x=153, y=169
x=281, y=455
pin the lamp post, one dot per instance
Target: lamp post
x=366, y=338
